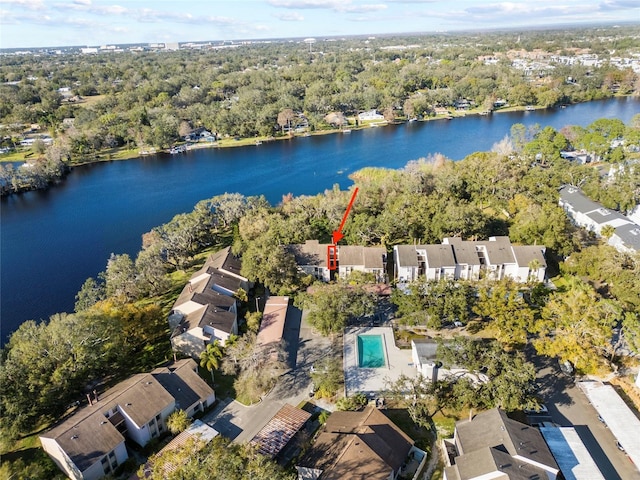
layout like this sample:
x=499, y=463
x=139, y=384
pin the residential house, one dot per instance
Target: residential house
x=199, y=134
x=362, y=444
x=491, y=445
x=581, y=157
x=425, y=359
x=311, y=258
x=206, y=309
x=181, y=380
x=593, y=217
x=370, y=115
x=91, y=443
x=362, y=259
x=465, y=260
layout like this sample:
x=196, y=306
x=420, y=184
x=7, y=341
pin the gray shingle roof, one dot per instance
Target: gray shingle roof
x=406, y=255
x=183, y=383
x=87, y=439
x=498, y=251
x=493, y=428
x=439, y=256
x=630, y=235
x=224, y=260
x=525, y=254
x=310, y=253
x=356, y=255
x=464, y=251
x=578, y=201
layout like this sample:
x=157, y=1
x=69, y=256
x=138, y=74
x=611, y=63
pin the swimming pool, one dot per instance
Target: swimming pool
x=371, y=351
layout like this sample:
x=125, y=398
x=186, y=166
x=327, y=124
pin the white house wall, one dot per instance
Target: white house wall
x=61, y=459
x=96, y=471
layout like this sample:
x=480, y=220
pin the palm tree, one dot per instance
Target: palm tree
x=178, y=422
x=210, y=358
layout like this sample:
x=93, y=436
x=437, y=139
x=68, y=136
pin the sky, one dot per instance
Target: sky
x=48, y=23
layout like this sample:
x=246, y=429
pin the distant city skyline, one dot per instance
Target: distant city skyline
x=46, y=23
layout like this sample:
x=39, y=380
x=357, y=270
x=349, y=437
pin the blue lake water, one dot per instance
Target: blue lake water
x=52, y=241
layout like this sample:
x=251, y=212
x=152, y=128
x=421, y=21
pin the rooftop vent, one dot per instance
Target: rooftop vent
x=74, y=437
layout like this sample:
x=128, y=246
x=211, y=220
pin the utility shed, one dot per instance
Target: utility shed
x=572, y=456
x=622, y=422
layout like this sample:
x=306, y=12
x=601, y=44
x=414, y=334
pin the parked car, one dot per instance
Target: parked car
x=540, y=410
x=620, y=447
x=566, y=367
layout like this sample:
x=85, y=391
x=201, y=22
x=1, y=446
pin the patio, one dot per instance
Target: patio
x=371, y=381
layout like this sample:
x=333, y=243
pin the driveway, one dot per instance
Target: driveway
x=568, y=406
x=241, y=423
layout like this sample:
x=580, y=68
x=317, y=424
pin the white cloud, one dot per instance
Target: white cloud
x=619, y=4
x=28, y=4
x=290, y=17
x=363, y=8
x=110, y=10
x=307, y=4
x=82, y=2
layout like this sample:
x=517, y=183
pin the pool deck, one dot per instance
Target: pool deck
x=374, y=380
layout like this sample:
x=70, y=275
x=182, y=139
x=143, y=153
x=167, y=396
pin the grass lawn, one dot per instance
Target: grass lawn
x=420, y=435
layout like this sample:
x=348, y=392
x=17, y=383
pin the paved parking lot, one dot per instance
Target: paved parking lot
x=240, y=422
x=568, y=406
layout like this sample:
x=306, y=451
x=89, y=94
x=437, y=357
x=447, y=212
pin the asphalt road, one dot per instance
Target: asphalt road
x=568, y=406
x=241, y=423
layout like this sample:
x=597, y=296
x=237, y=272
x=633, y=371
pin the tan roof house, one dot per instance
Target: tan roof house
x=90, y=444
x=356, y=445
x=206, y=309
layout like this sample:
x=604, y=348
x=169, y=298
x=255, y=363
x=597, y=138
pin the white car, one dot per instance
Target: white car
x=541, y=410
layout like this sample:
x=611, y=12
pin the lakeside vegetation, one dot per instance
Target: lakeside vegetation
x=74, y=109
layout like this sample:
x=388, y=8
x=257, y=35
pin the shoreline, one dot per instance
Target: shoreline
x=120, y=153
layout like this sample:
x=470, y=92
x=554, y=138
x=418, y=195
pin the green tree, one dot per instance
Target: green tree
x=509, y=317
x=178, y=422
x=330, y=306
x=120, y=278
x=90, y=293
x=327, y=377
x=211, y=356
x=577, y=325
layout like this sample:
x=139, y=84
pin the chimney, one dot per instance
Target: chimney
x=89, y=399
